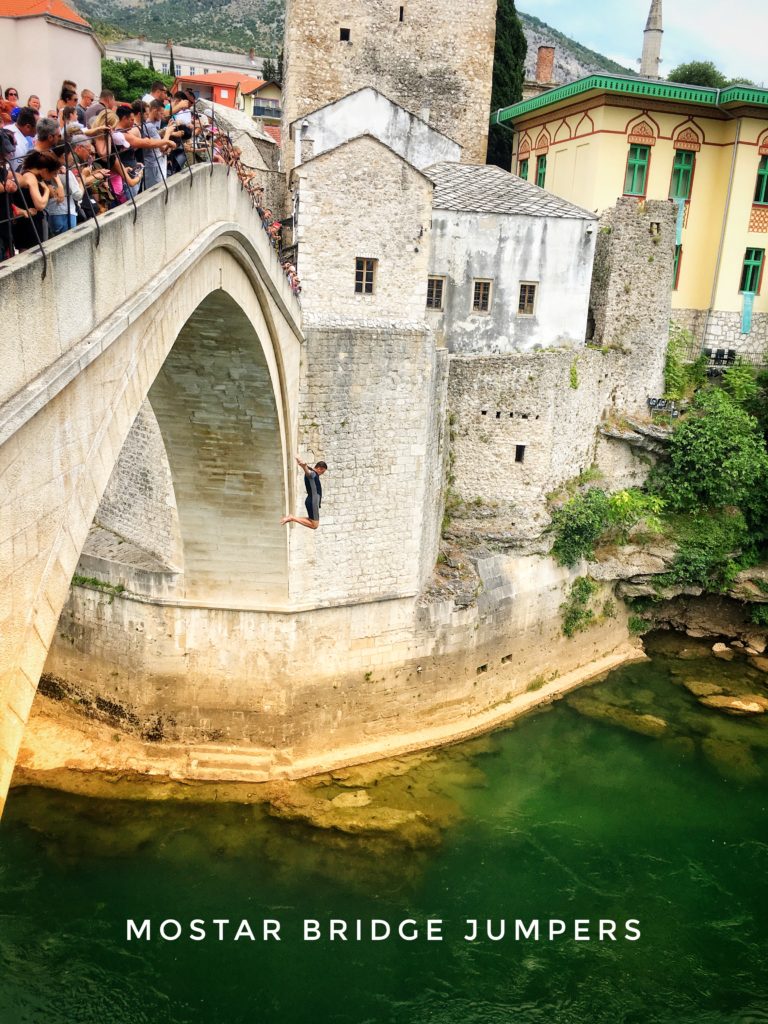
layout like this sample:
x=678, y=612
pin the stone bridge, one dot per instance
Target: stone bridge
x=182, y=330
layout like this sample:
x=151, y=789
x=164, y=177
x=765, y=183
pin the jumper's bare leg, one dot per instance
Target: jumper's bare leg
x=311, y=524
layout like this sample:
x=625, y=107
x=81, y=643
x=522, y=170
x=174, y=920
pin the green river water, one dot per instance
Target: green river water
x=570, y=814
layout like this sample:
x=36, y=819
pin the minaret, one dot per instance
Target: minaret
x=649, y=62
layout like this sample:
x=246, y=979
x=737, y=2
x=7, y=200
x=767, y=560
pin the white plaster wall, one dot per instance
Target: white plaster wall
x=36, y=55
x=554, y=252
x=369, y=111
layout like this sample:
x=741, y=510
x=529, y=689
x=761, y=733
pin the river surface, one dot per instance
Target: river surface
x=571, y=814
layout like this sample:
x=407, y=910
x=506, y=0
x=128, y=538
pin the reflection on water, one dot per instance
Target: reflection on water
x=628, y=800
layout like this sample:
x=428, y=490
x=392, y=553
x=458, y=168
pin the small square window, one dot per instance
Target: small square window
x=519, y=453
x=481, y=297
x=435, y=292
x=527, y=302
x=345, y=35
x=365, y=273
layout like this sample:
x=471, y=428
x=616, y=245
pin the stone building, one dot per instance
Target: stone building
x=418, y=53
x=510, y=264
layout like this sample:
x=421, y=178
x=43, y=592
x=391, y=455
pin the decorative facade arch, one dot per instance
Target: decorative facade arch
x=525, y=147
x=586, y=126
x=762, y=143
x=688, y=136
x=642, y=130
x=543, y=142
x=563, y=132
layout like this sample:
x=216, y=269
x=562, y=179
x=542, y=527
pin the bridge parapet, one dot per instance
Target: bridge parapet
x=93, y=280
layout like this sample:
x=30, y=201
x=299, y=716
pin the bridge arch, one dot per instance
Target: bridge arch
x=62, y=431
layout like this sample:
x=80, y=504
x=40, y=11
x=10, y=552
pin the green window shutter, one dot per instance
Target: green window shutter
x=541, y=171
x=682, y=175
x=637, y=170
x=523, y=169
x=750, y=273
x=761, y=187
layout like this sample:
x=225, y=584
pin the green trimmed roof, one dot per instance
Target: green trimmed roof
x=647, y=87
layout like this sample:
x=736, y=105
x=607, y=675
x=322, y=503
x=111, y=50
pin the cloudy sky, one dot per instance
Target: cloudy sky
x=731, y=34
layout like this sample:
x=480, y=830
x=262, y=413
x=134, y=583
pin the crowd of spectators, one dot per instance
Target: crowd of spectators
x=91, y=154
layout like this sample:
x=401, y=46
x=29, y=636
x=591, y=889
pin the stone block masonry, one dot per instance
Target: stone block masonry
x=525, y=424
x=362, y=201
x=630, y=302
x=371, y=405
x=722, y=329
x=433, y=57
x=139, y=503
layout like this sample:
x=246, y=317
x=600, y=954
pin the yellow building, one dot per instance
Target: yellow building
x=706, y=149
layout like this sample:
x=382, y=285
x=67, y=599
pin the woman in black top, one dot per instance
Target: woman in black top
x=38, y=173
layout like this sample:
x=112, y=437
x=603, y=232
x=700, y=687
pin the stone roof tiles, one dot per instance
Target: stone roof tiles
x=483, y=188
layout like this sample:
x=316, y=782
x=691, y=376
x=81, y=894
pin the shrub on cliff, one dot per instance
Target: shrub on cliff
x=594, y=515
x=578, y=524
x=716, y=456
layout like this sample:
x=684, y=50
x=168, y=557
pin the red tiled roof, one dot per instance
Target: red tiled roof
x=274, y=131
x=35, y=8
x=225, y=78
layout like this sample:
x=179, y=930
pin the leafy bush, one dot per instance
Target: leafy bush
x=758, y=614
x=712, y=548
x=587, y=518
x=578, y=525
x=577, y=615
x=630, y=507
x=681, y=378
x=638, y=625
x=740, y=382
x=716, y=454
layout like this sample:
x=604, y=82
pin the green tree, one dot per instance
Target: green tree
x=717, y=455
x=699, y=72
x=271, y=70
x=129, y=79
x=508, y=74
x=151, y=64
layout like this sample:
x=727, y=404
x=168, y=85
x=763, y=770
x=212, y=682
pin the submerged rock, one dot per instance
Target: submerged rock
x=701, y=688
x=759, y=663
x=722, y=651
x=746, y=704
x=645, y=725
x=734, y=760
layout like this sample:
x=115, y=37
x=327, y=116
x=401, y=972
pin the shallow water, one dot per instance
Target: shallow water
x=564, y=816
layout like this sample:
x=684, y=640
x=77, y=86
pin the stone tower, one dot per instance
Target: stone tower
x=649, y=62
x=433, y=57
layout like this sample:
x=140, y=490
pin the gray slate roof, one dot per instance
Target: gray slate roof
x=483, y=188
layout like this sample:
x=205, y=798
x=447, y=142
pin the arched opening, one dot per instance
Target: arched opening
x=198, y=488
x=216, y=409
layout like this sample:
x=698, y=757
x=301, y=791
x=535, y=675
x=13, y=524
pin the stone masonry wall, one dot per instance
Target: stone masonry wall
x=331, y=685
x=361, y=200
x=722, y=329
x=548, y=403
x=139, y=503
x=372, y=403
x=437, y=62
x=630, y=301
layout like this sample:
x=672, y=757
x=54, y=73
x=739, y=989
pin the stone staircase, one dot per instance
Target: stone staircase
x=217, y=762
